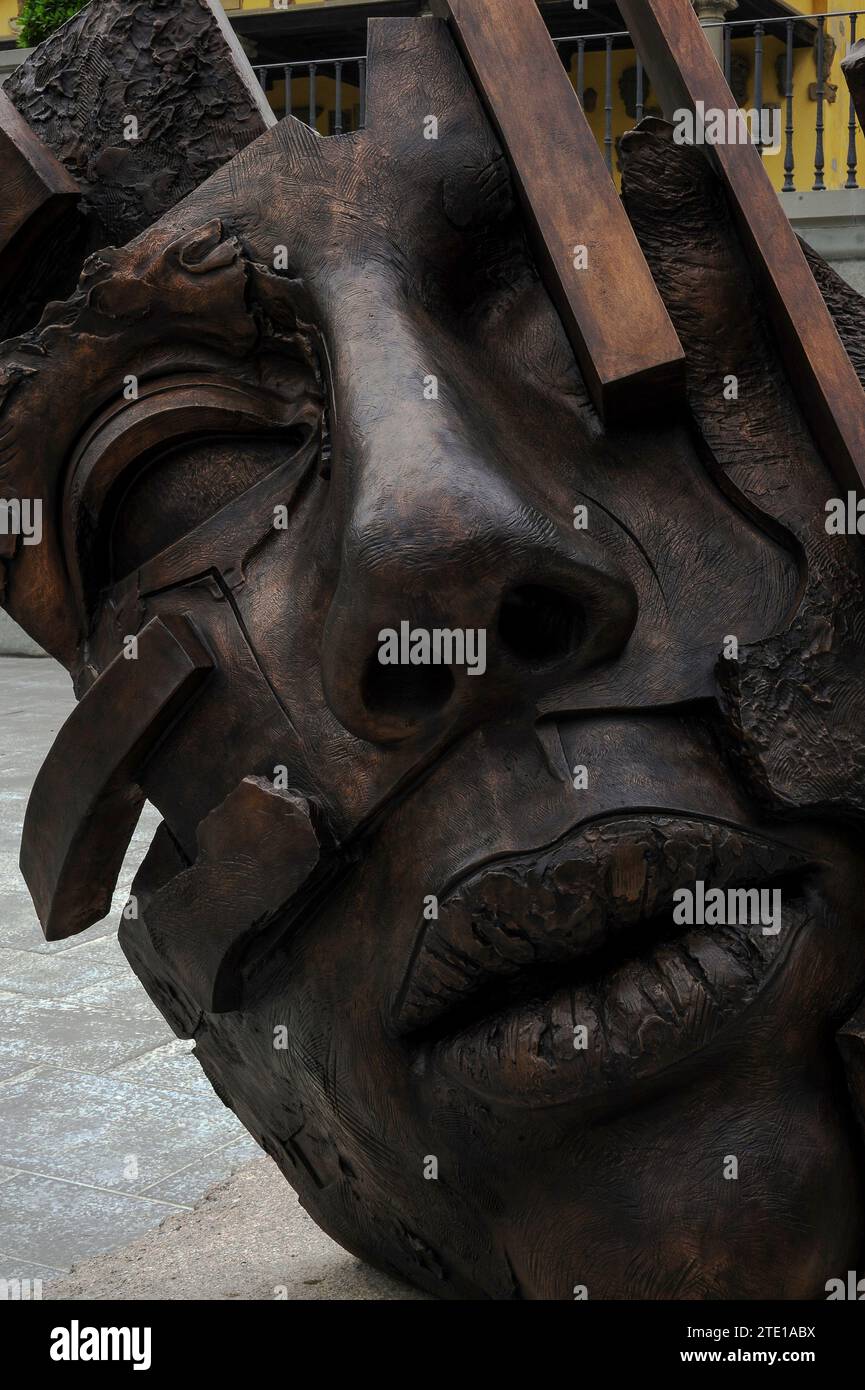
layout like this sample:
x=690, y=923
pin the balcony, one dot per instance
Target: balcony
x=786, y=69
x=328, y=94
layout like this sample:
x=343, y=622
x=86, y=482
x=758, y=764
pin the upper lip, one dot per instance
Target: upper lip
x=502, y=927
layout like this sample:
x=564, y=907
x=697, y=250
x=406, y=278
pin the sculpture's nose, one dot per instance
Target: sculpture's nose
x=455, y=593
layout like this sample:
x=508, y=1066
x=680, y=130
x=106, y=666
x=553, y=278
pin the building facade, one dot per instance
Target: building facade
x=309, y=57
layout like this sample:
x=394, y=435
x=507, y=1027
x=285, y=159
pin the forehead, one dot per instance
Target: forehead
x=425, y=176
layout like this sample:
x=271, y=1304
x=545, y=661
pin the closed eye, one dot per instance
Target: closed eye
x=149, y=473
x=180, y=487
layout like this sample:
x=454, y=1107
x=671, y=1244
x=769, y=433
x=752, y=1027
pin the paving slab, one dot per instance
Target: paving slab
x=107, y=1123
x=248, y=1238
x=188, y=1184
x=171, y=1066
x=62, y=1033
x=53, y=976
x=31, y=1271
x=123, y=996
x=43, y=1219
x=13, y=639
x=106, y=1133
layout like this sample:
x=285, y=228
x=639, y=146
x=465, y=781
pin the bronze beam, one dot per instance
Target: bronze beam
x=673, y=47
x=621, y=333
x=256, y=850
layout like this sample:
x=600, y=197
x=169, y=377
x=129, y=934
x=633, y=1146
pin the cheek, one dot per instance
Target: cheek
x=536, y=349
x=283, y=603
x=825, y=978
x=283, y=606
x=724, y=1192
x=706, y=570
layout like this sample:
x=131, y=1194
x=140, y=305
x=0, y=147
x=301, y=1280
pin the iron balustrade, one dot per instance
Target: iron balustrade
x=316, y=92
x=330, y=93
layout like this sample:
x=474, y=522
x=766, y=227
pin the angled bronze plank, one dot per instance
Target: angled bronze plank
x=673, y=47
x=623, y=338
x=87, y=799
x=37, y=190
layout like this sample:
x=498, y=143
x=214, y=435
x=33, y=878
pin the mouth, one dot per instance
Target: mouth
x=601, y=961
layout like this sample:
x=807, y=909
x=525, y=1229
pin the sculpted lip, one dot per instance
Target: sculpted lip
x=577, y=943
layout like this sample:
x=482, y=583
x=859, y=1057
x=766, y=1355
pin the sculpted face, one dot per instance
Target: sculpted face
x=423, y=920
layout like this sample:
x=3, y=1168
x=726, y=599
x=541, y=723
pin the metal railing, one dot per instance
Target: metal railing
x=744, y=52
x=818, y=48
x=330, y=93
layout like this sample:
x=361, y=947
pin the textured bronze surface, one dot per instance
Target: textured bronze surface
x=255, y=851
x=193, y=99
x=421, y=918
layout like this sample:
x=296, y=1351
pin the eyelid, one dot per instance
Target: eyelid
x=166, y=411
x=209, y=546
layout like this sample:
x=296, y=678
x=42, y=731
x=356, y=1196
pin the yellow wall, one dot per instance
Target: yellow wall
x=8, y=10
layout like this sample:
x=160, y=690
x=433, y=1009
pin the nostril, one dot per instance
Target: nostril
x=410, y=692
x=540, y=625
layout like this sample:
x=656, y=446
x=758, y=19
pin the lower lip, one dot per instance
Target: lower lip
x=644, y=1017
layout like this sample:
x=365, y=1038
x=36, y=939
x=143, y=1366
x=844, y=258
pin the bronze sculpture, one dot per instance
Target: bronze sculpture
x=419, y=919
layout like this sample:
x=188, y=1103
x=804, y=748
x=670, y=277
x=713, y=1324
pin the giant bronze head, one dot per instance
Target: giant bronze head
x=460, y=697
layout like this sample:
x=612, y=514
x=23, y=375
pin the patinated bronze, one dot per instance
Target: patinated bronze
x=419, y=916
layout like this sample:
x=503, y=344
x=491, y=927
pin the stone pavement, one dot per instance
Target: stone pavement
x=249, y=1238
x=107, y=1124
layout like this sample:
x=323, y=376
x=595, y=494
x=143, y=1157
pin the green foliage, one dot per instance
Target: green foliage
x=39, y=18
